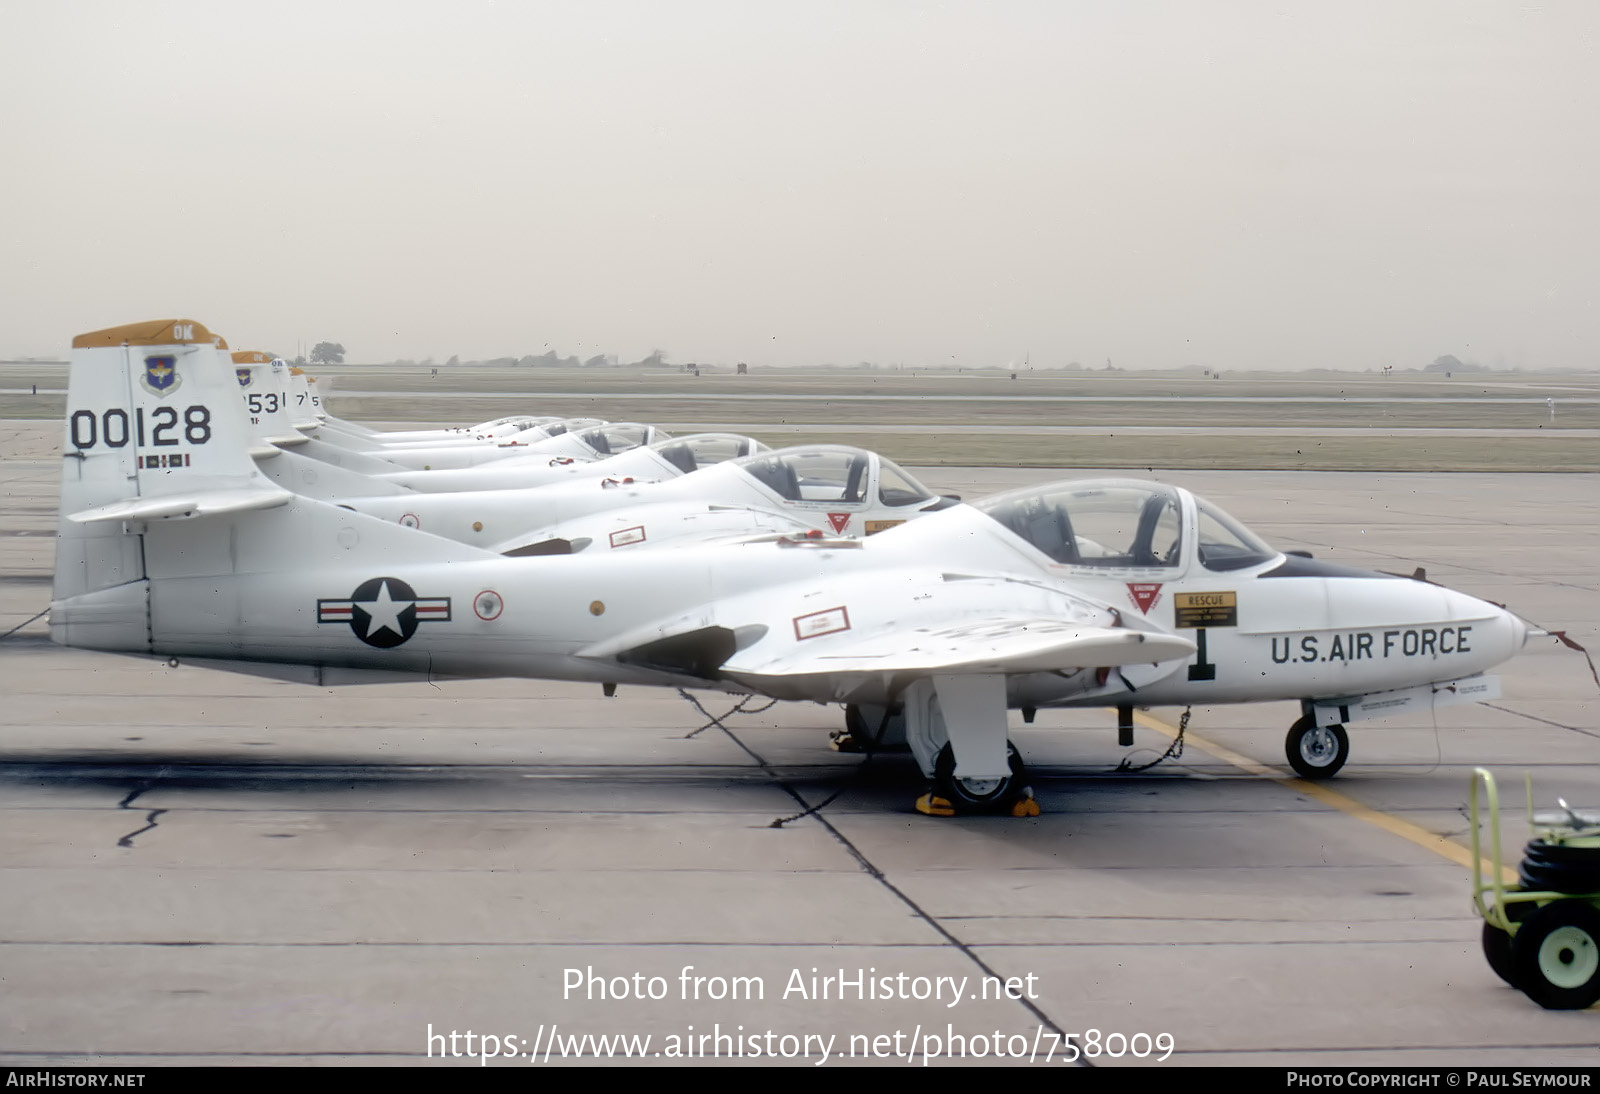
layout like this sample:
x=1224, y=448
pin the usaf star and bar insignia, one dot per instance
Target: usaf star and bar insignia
x=384, y=611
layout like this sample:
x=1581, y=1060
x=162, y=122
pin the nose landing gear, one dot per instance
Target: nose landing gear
x=1316, y=752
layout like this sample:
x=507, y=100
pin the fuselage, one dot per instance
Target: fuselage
x=383, y=597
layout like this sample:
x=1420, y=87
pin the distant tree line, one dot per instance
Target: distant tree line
x=552, y=359
x=1449, y=364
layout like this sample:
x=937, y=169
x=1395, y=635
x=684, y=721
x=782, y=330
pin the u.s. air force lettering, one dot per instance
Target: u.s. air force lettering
x=384, y=611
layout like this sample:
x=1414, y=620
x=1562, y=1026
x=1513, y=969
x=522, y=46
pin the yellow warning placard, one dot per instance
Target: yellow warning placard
x=1206, y=609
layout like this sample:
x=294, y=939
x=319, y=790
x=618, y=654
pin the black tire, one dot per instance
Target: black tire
x=1557, y=955
x=1316, y=752
x=978, y=795
x=1497, y=947
x=874, y=730
x=855, y=723
x=1560, y=868
x=1497, y=951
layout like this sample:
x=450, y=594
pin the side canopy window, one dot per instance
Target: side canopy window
x=895, y=487
x=1130, y=525
x=1225, y=544
x=705, y=449
x=556, y=428
x=834, y=476
x=609, y=440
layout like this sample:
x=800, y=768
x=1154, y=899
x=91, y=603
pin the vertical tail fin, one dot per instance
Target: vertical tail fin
x=155, y=428
x=264, y=384
x=303, y=403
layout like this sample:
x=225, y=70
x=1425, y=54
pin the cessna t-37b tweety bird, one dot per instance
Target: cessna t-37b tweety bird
x=1098, y=593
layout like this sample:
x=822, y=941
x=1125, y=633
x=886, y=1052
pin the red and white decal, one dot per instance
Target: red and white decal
x=817, y=624
x=488, y=605
x=839, y=521
x=627, y=536
x=410, y=520
x=1144, y=594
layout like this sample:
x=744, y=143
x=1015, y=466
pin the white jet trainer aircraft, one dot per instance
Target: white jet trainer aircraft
x=1110, y=593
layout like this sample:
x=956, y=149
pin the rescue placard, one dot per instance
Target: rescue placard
x=1206, y=609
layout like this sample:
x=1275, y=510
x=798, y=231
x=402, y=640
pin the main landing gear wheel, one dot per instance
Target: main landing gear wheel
x=1316, y=752
x=981, y=795
x=870, y=729
x=856, y=736
x=1557, y=955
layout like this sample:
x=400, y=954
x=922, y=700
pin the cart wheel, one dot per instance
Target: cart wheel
x=1316, y=752
x=1497, y=951
x=1557, y=955
x=1497, y=944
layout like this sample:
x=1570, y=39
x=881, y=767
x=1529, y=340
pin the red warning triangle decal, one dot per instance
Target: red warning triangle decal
x=839, y=520
x=1145, y=594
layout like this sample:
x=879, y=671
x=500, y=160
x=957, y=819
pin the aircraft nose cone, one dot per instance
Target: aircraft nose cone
x=1519, y=626
x=1498, y=630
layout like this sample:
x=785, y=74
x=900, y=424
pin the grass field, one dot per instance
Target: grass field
x=815, y=399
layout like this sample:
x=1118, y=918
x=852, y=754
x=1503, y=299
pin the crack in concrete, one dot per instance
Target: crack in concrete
x=150, y=817
x=150, y=822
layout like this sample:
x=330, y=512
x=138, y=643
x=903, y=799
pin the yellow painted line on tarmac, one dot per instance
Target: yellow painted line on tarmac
x=1432, y=841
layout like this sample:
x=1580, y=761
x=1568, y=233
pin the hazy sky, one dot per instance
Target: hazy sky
x=1238, y=185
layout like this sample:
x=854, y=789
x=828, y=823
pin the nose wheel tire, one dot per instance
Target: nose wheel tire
x=1557, y=955
x=1316, y=752
x=978, y=795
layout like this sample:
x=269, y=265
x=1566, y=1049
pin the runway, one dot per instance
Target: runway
x=205, y=868
x=1034, y=430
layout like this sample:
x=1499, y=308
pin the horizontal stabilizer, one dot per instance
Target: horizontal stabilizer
x=204, y=503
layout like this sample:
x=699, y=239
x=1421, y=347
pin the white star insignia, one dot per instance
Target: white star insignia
x=384, y=613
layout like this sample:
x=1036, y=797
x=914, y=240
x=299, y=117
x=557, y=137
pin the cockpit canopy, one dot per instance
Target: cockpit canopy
x=834, y=474
x=614, y=438
x=690, y=454
x=567, y=425
x=1123, y=524
x=518, y=421
x=1106, y=523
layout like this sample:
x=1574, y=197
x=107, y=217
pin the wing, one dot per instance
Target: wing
x=995, y=646
x=992, y=646
x=837, y=637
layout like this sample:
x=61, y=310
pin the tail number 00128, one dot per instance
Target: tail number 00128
x=163, y=429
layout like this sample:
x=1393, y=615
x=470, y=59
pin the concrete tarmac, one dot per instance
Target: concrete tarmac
x=207, y=868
